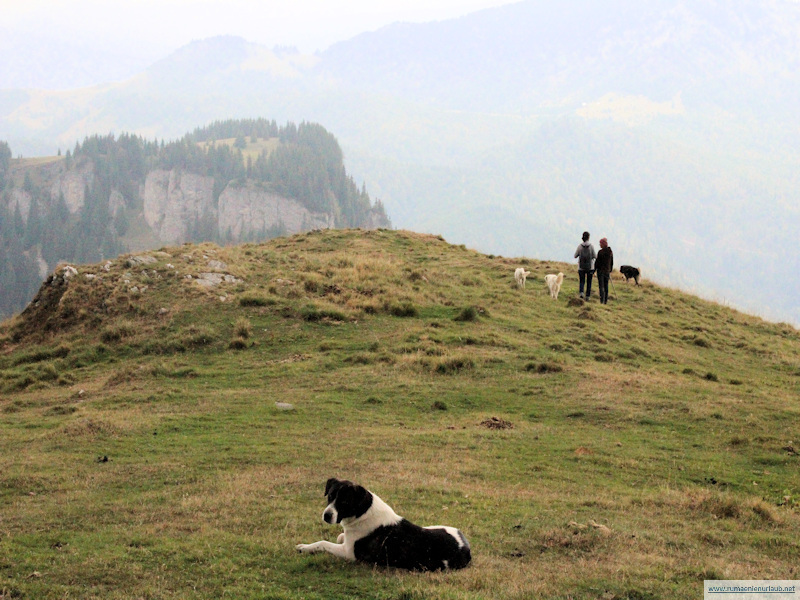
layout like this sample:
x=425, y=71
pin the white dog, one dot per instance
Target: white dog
x=554, y=284
x=520, y=275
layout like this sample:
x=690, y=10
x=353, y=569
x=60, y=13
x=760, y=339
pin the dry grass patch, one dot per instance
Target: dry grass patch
x=86, y=428
x=242, y=328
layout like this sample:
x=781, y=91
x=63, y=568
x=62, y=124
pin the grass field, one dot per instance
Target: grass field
x=630, y=450
x=252, y=150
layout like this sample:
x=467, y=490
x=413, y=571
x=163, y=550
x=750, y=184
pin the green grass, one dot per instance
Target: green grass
x=252, y=150
x=524, y=421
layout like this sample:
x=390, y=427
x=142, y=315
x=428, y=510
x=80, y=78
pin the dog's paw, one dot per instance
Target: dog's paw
x=305, y=548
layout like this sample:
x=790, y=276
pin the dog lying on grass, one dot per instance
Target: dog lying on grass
x=375, y=534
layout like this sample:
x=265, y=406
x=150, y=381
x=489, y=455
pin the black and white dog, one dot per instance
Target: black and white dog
x=375, y=534
x=630, y=273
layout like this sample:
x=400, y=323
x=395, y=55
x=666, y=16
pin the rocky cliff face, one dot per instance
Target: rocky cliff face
x=72, y=184
x=247, y=210
x=57, y=180
x=175, y=202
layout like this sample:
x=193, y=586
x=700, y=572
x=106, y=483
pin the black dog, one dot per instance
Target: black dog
x=375, y=534
x=630, y=272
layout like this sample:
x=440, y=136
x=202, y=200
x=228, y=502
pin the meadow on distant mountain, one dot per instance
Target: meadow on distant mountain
x=168, y=421
x=670, y=128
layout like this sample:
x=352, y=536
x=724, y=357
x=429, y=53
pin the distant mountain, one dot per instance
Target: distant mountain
x=526, y=56
x=669, y=127
x=33, y=60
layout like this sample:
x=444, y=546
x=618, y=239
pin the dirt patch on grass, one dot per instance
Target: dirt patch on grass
x=496, y=423
x=86, y=428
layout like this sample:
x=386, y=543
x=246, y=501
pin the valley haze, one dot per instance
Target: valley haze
x=670, y=128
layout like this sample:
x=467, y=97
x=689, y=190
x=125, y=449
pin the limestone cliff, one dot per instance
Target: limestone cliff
x=247, y=210
x=176, y=202
x=72, y=183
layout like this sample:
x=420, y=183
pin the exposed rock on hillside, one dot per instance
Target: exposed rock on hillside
x=72, y=183
x=246, y=210
x=174, y=200
x=91, y=294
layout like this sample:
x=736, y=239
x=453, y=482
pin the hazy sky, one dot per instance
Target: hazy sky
x=167, y=24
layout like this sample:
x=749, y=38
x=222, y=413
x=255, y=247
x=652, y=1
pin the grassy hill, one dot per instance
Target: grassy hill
x=623, y=451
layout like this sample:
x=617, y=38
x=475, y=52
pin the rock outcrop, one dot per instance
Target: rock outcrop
x=248, y=210
x=72, y=183
x=175, y=201
x=180, y=206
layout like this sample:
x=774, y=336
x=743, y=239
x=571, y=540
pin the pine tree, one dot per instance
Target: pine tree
x=19, y=222
x=5, y=163
x=33, y=228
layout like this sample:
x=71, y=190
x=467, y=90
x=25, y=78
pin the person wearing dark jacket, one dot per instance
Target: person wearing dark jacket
x=585, y=255
x=603, y=265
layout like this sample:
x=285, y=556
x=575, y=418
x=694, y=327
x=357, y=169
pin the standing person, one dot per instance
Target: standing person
x=585, y=255
x=603, y=265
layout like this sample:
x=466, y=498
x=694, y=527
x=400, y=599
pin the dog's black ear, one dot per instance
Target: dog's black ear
x=331, y=484
x=363, y=500
x=352, y=500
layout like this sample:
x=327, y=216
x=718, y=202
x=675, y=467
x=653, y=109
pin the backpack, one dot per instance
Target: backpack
x=585, y=259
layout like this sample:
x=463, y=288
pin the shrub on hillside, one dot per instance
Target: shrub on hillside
x=701, y=342
x=453, y=365
x=238, y=344
x=544, y=367
x=242, y=328
x=467, y=314
x=118, y=331
x=195, y=336
x=42, y=354
x=403, y=309
x=256, y=300
x=315, y=314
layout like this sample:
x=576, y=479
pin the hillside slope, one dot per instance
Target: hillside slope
x=168, y=421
